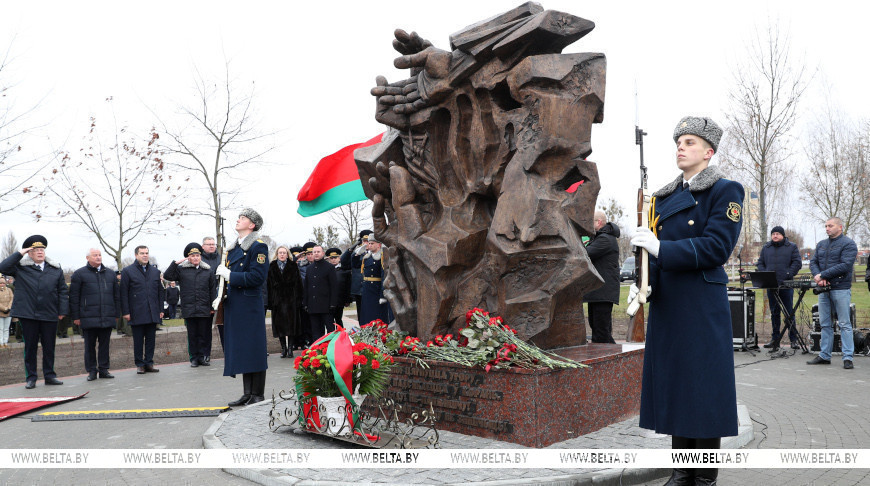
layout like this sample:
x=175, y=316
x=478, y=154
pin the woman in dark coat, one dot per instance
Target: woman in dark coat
x=284, y=288
x=688, y=389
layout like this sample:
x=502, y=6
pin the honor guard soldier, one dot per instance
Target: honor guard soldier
x=244, y=321
x=374, y=305
x=41, y=300
x=688, y=388
x=198, y=291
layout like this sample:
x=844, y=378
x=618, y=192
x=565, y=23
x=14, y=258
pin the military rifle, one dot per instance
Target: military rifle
x=637, y=326
x=218, y=318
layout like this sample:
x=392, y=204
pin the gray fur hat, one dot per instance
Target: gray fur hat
x=254, y=217
x=703, y=127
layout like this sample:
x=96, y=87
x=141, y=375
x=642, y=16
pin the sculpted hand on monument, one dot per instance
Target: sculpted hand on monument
x=427, y=85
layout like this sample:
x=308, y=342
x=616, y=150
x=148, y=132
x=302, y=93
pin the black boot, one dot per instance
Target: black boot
x=283, y=347
x=682, y=477
x=247, y=382
x=258, y=389
x=707, y=476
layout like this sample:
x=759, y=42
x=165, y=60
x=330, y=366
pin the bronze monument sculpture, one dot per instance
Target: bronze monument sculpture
x=481, y=188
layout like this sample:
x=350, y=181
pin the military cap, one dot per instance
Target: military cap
x=364, y=233
x=306, y=248
x=333, y=252
x=373, y=239
x=702, y=127
x=193, y=248
x=35, y=241
x=254, y=217
x=296, y=250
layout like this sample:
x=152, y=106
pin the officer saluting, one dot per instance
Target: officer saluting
x=688, y=374
x=374, y=305
x=244, y=320
x=41, y=299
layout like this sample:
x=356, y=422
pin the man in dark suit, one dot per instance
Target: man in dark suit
x=320, y=298
x=40, y=302
x=142, y=298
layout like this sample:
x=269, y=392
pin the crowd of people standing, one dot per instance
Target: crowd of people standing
x=305, y=288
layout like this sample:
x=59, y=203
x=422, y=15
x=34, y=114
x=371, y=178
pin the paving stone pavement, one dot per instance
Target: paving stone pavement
x=797, y=406
x=791, y=405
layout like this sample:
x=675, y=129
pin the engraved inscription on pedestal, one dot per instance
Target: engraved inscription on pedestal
x=458, y=397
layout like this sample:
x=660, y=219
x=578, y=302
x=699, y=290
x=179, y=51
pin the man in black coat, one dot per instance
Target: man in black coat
x=342, y=273
x=212, y=258
x=172, y=297
x=781, y=256
x=603, y=250
x=94, y=305
x=142, y=298
x=321, y=294
x=198, y=290
x=40, y=301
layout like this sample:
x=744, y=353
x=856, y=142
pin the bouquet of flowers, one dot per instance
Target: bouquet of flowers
x=485, y=341
x=370, y=372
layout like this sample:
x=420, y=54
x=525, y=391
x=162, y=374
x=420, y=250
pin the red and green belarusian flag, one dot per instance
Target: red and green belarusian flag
x=334, y=182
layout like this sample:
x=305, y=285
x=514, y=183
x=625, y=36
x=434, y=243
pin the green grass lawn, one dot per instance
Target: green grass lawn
x=860, y=297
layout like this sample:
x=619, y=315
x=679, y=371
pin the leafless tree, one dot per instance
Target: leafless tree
x=19, y=168
x=271, y=244
x=351, y=219
x=10, y=246
x=768, y=85
x=835, y=182
x=117, y=190
x=216, y=139
x=617, y=215
x=326, y=235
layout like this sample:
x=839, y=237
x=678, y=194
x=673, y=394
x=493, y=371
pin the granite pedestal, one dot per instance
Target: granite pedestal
x=533, y=408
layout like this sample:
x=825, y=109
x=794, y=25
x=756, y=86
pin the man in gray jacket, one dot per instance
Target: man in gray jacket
x=40, y=301
x=831, y=267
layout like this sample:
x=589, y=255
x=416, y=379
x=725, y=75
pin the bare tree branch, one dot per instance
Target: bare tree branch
x=836, y=181
x=215, y=148
x=768, y=86
x=117, y=191
x=351, y=219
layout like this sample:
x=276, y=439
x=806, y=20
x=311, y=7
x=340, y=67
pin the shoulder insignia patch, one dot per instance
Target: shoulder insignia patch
x=261, y=241
x=261, y=258
x=733, y=212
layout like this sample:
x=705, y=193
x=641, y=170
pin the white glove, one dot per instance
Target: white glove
x=223, y=271
x=382, y=301
x=633, y=291
x=645, y=238
x=216, y=303
x=359, y=251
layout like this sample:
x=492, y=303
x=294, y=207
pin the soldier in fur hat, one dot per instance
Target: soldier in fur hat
x=694, y=224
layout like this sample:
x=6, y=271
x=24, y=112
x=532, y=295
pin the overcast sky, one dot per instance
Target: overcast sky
x=313, y=64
